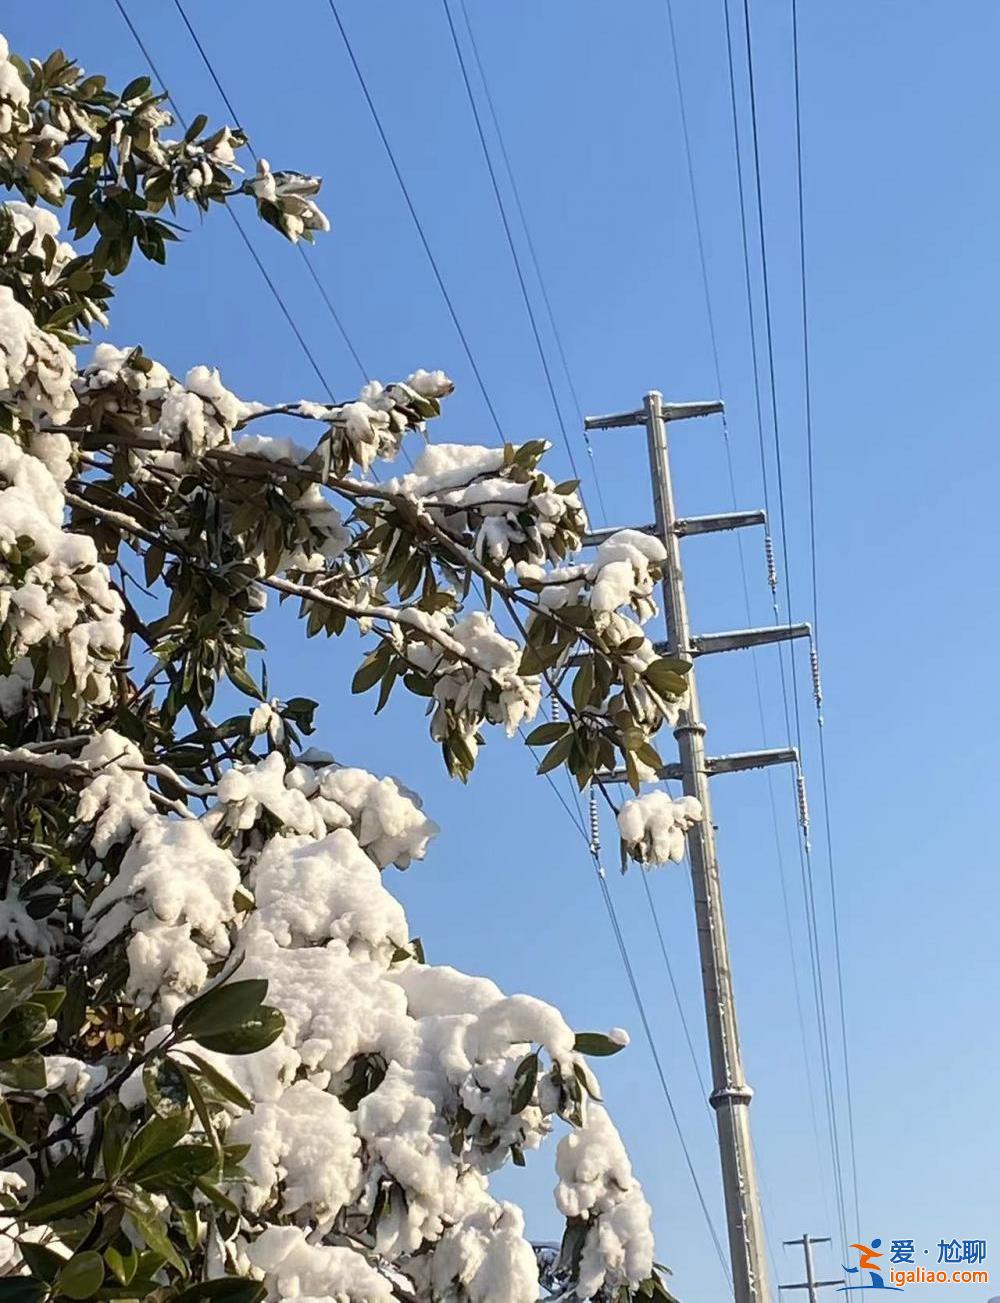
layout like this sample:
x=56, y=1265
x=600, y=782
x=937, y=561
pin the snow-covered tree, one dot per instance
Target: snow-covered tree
x=226, y=1070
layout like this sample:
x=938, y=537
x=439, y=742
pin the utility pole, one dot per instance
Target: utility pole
x=731, y=1095
x=811, y=1283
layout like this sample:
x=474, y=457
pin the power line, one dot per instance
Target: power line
x=807, y=373
x=414, y=215
x=806, y=861
x=286, y=313
x=804, y=851
x=365, y=375
x=515, y=191
x=699, y=231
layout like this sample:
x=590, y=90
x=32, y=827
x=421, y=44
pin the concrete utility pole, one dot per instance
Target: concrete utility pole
x=811, y=1283
x=731, y=1095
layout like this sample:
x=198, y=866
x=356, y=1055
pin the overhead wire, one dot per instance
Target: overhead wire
x=804, y=849
x=269, y=282
x=390, y=153
x=311, y=270
x=710, y=316
x=608, y=901
x=529, y=243
x=811, y=473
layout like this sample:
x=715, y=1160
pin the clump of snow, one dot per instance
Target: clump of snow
x=621, y=573
x=199, y=416
x=289, y=196
x=116, y=800
x=55, y=593
x=477, y=680
x=596, y=1183
x=294, y=1268
x=336, y=1006
x=38, y=222
x=653, y=826
x=36, y=369
x=446, y=466
x=303, y=1145
x=430, y=384
x=386, y=818
x=487, y=1256
x=14, y=94
x=310, y=891
x=245, y=792
x=175, y=890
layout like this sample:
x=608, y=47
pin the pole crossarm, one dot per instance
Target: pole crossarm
x=736, y=763
x=705, y=644
x=666, y=412
x=715, y=524
x=598, y=536
x=689, y=525
x=805, y=1243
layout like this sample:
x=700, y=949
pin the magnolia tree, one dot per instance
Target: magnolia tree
x=226, y=1070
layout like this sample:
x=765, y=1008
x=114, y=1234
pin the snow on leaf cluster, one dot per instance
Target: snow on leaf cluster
x=397, y=1087
x=60, y=616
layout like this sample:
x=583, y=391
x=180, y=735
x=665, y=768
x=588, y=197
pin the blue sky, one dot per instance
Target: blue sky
x=900, y=102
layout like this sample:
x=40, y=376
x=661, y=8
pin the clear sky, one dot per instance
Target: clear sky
x=900, y=105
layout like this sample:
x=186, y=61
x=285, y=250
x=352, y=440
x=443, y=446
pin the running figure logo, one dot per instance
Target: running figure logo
x=867, y=1263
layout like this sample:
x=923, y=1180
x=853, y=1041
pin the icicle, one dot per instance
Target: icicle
x=800, y=784
x=595, y=825
x=772, y=570
x=817, y=684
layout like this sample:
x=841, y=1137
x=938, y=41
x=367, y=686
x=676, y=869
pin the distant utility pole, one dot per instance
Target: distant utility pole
x=731, y=1095
x=811, y=1283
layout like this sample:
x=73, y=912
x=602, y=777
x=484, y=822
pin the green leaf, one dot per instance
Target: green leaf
x=595, y=1043
x=523, y=1086
x=218, y=1009
x=583, y=684
x=204, y=1116
x=239, y=678
x=535, y=659
x=157, y=1136
x=136, y=88
x=42, y=1262
x=220, y=1083
x=82, y=1276
x=216, y=1196
x=546, y=733
x=147, y=1221
x=123, y=1265
x=179, y=1166
x=371, y=670
x=116, y=1126
x=557, y=754
x=197, y=126
x=20, y=1289
x=25, y=1073
x=254, y=1033
x=51, y=1001
x=65, y=1192
x=666, y=677
x=24, y=979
